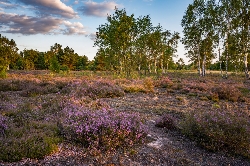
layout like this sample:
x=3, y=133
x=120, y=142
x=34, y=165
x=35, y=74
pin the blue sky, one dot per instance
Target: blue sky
x=39, y=24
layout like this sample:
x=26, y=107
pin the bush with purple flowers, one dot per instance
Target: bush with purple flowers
x=164, y=82
x=227, y=92
x=103, y=89
x=94, y=89
x=219, y=129
x=102, y=130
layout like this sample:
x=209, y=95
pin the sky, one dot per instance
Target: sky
x=39, y=24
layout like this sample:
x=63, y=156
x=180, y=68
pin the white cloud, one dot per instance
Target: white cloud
x=75, y=28
x=27, y=25
x=91, y=8
x=51, y=7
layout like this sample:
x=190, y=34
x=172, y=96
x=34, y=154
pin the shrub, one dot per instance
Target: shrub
x=9, y=85
x=227, y=92
x=32, y=140
x=148, y=84
x=95, y=89
x=54, y=65
x=134, y=88
x=103, y=89
x=3, y=68
x=166, y=121
x=164, y=82
x=219, y=129
x=103, y=130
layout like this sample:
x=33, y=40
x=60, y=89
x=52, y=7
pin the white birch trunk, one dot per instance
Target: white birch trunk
x=220, y=64
x=204, y=66
x=155, y=66
x=246, y=66
x=199, y=61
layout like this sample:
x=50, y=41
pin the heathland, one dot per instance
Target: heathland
x=87, y=118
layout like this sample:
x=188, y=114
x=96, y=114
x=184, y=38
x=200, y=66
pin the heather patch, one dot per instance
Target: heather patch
x=9, y=85
x=226, y=92
x=29, y=140
x=31, y=130
x=166, y=121
x=164, y=82
x=145, y=85
x=72, y=115
x=195, y=87
x=103, y=89
x=103, y=130
x=211, y=90
x=94, y=89
x=219, y=129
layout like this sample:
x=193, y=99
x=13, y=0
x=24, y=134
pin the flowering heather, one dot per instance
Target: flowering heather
x=227, y=92
x=164, y=82
x=220, y=129
x=103, y=89
x=94, y=89
x=196, y=87
x=102, y=130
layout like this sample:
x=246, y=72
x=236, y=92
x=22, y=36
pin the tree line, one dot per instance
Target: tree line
x=56, y=59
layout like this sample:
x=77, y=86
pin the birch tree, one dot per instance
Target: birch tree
x=192, y=31
x=127, y=44
x=200, y=36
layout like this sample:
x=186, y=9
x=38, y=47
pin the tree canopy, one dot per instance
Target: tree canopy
x=211, y=25
x=127, y=43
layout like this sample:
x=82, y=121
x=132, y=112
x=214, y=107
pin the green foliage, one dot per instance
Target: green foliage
x=127, y=44
x=209, y=24
x=8, y=54
x=54, y=65
x=3, y=72
x=30, y=59
x=82, y=63
x=219, y=129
